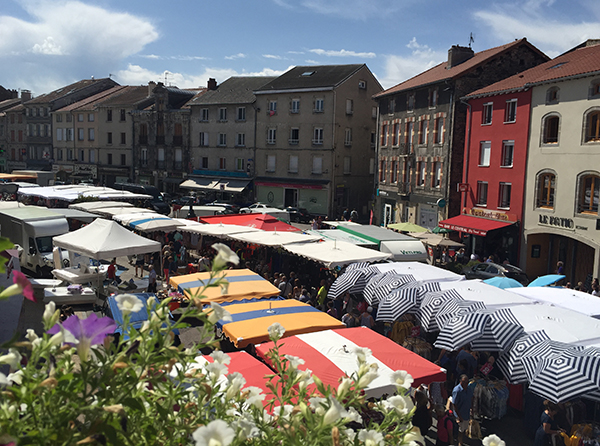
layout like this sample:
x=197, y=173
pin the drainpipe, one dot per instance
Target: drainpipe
x=451, y=112
x=253, y=173
x=468, y=152
x=133, y=162
x=377, y=200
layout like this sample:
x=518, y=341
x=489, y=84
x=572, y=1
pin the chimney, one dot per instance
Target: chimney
x=212, y=83
x=25, y=95
x=458, y=54
x=151, y=86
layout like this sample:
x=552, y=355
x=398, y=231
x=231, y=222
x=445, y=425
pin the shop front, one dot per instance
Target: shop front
x=486, y=233
x=312, y=196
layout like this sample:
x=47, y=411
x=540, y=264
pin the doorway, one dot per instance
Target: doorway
x=291, y=198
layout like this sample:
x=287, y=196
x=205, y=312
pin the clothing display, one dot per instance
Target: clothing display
x=490, y=399
x=419, y=346
x=401, y=331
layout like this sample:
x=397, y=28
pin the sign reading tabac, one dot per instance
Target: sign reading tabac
x=494, y=215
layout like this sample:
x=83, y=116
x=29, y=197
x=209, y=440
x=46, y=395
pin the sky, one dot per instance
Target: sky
x=47, y=44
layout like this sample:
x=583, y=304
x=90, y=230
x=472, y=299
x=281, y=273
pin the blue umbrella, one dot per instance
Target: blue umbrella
x=503, y=282
x=548, y=279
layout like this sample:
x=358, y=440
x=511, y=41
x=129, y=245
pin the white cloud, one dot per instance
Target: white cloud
x=48, y=47
x=150, y=56
x=295, y=52
x=341, y=53
x=236, y=56
x=271, y=56
x=311, y=62
x=355, y=9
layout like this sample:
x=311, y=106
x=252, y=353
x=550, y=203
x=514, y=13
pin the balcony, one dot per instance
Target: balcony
x=293, y=141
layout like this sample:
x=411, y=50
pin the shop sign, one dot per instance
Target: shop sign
x=494, y=215
x=86, y=170
x=557, y=222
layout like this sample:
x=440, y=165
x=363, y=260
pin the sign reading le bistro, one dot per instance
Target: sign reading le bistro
x=548, y=220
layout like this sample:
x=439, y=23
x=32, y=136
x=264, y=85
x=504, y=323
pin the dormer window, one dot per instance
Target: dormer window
x=552, y=95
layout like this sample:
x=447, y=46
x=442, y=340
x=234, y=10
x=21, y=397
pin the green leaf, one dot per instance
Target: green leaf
x=133, y=403
x=110, y=432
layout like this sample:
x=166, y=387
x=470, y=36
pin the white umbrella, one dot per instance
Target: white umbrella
x=353, y=280
x=389, y=283
x=431, y=304
x=460, y=330
x=501, y=330
x=406, y=298
x=510, y=363
x=454, y=308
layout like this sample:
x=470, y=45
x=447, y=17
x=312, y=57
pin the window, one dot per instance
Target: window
x=122, y=115
x=20, y=136
x=410, y=129
x=204, y=162
x=318, y=136
x=510, y=114
x=241, y=113
x=396, y=134
x=437, y=175
x=109, y=138
x=222, y=139
x=348, y=137
x=317, y=165
x=80, y=134
x=69, y=117
x=392, y=106
x=161, y=155
x=347, y=165
x=592, y=127
x=362, y=85
x=271, y=163
x=433, y=97
x=422, y=173
x=294, y=136
x=371, y=166
x=394, y=178
x=58, y=118
x=222, y=114
x=239, y=164
x=410, y=102
x=144, y=157
x=382, y=170
x=486, y=116
x=79, y=117
x=484, y=153
x=59, y=154
x=69, y=133
x=552, y=95
x=482, y=188
x=203, y=139
x=374, y=112
x=93, y=156
x=143, y=136
x=423, y=131
x=123, y=159
x=589, y=194
x=59, y=133
x=204, y=115
x=508, y=148
x=109, y=115
x=222, y=163
x=504, y=198
x=295, y=106
x=319, y=105
x=293, y=164
x=272, y=108
x=595, y=88
x=91, y=135
x=349, y=106
x=438, y=133
x=82, y=155
x=178, y=164
x=178, y=134
x=123, y=138
x=90, y=117
x=109, y=159
x=545, y=192
x=240, y=140
x=550, y=129
x=271, y=136
x=384, y=134
x=373, y=140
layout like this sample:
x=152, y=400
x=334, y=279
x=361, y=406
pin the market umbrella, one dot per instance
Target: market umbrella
x=438, y=230
x=567, y=375
x=357, y=265
x=431, y=304
x=503, y=282
x=371, y=287
x=460, y=330
x=510, y=363
x=389, y=283
x=548, y=279
x=407, y=227
x=501, y=330
x=354, y=281
x=532, y=356
x=406, y=298
x=454, y=308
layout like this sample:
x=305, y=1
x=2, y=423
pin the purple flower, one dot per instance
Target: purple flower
x=85, y=333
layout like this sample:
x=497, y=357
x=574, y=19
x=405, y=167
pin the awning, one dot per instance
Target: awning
x=232, y=185
x=216, y=184
x=405, y=250
x=473, y=225
x=199, y=183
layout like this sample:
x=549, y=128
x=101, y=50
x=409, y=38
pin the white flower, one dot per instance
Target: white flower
x=215, y=433
x=245, y=426
x=493, y=440
x=31, y=336
x=371, y=437
x=236, y=382
x=345, y=384
x=353, y=415
x=401, y=404
x=362, y=353
x=317, y=402
x=59, y=337
x=224, y=284
x=50, y=316
x=283, y=411
x=294, y=361
x=367, y=379
x=413, y=437
x=276, y=331
x=402, y=379
x=224, y=256
x=4, y=381
x=128, y=303
x=215, y=370
x=304, y=379
x=151, y=302
x=349, y=434
x=335, y=412
x=12, y=358
x=220, y=357
x=218, y=313
x=255, y=397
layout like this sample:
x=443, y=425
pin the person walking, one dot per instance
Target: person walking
x=366, y=320
x=462, y=398
x=152, y=280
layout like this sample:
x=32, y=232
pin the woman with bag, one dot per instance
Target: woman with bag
x=549, y=427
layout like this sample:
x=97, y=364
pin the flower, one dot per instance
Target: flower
x=362, y=353
x=128, y=303
x=294, y=361
x=215, y=370
x=218, y=313
x=224, y=287
x=401, y=404
x=215, y=433
x=220, y=357
x=12, y=358
x=224, y=256
x=366, y=379
x=371, y=437
x=335, y=412
x=236, y=381
x=51, y=315
x=254, y=396
x=413, y=437
x=304, y=378
x=493, y=440
x=21, y=285
x=345, y=384
x=402, y=379
x=86, y=332
x=276, y=331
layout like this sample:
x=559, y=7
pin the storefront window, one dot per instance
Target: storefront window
x=546, y=184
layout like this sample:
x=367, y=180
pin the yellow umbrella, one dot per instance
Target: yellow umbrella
x=407, y=227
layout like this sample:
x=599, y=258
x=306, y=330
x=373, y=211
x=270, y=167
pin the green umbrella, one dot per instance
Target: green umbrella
x=438, y=230
x=407, y=227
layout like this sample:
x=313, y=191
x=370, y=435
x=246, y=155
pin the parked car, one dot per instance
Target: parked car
x=488, y=270
x=184, y=201
x=256, y=207
x=232, y=208
x=298, y=215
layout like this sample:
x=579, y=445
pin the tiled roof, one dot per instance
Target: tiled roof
x=9, y=103
x=127, y=96
x=310, y=77
x=440, y=72
x=235, y=90
x=53, y=95
x=90, y=102
x=581, y=61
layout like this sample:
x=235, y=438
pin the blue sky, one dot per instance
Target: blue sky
x=45, y=44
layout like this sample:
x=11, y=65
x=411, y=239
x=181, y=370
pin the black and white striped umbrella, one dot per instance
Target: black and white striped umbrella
x=371, y=287
x=389, y=283
x=454, y=308
x=510, y=363
x=461, y=330
x=353, y=281
x=357, y=265
x=501, y=330
x=532, y=356
x=431, y=304
x=405, y=299
x=567, y=375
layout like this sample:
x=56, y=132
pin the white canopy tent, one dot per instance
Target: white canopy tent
x=91, y=205
x=335, y=253
x=105, y=239
x=273, y=238
x=421, y=271
x=73, y=192
x=491, y=296
x=112, y=211
x=336, y=234
x=126, y=218
x=578, y=301
x=220, y=229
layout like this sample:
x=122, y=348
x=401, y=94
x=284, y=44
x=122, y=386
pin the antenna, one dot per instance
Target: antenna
x=471, y=39
x=110, y=75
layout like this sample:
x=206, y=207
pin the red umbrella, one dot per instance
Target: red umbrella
x=265, y=222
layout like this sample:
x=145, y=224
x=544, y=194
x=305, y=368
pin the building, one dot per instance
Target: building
x=421, y=132
x=13, y=135
x=223, y=121
x=314, y=139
